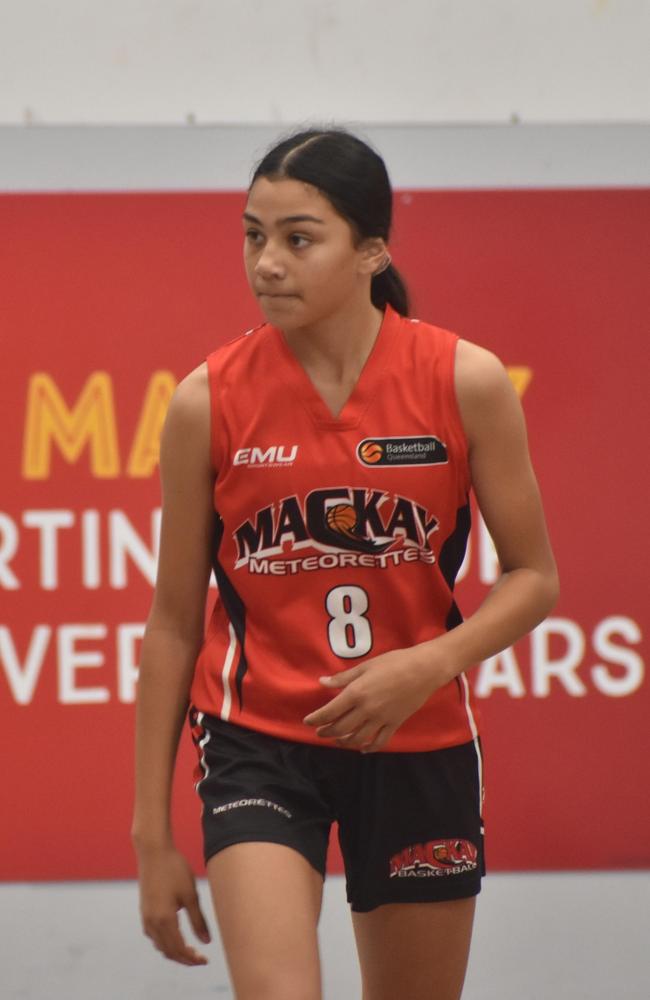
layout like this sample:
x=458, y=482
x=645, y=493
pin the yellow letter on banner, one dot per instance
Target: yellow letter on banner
x=520, y=378
x=49, y=420
x=146, y=442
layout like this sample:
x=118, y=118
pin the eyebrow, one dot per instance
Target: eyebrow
x=287, y=218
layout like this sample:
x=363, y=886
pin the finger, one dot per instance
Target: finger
x=329, y=713
x=380, y=740
x=197, y=919
x=167, y=937
x=342, y=726
x=163, y=941
x=177, y=949
x=343, y=677
x=364, y=734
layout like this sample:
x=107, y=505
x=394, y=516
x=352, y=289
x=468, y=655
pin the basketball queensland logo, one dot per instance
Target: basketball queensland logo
x=346, y=526
x=370, y=452
x=400, y=451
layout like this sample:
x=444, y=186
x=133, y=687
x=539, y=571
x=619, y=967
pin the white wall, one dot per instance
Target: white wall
x=285, y=61
x=221, y=157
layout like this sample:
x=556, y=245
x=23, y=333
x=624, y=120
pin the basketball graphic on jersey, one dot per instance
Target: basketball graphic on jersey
x=342, y=518
x=371, y=452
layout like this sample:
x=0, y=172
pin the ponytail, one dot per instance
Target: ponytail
x=389, y=287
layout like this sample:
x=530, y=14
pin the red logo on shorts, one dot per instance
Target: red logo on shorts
x=435, y=858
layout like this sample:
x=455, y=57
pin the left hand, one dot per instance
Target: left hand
x=377, y=696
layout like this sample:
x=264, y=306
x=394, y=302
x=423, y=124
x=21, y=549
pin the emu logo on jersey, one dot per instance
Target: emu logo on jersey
x=336, y=521
x=434, y=859
x=276, y=454
x=401, y=451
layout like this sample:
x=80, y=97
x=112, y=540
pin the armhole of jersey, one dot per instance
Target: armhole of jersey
x=454, y=408
x=215, y=425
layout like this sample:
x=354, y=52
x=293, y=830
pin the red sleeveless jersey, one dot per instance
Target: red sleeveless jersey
x=337, y=539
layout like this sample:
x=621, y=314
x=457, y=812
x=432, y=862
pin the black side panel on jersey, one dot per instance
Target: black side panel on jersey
x=452, y=554
x=233, y=606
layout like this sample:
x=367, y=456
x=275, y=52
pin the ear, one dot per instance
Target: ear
x=373, y=255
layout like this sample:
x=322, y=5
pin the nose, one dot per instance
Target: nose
x=269, y=264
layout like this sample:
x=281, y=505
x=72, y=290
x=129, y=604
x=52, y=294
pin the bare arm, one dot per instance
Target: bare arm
x=380, y=693
x=172, y=639
x=508, y=496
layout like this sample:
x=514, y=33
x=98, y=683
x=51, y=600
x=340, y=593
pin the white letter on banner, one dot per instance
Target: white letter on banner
x=71, y=660
x=617, y=687
x=91, y=564
x=22, y=679
x=564, y=669
x=127, y=661
x=125, y=540
x=8, y=549
x=49, y=522
x=489, y=568
x=500, y=671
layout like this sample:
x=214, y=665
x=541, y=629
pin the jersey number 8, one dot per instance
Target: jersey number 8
x=348, y=630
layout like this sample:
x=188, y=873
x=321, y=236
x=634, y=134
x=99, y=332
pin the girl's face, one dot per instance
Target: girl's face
x=299, y=255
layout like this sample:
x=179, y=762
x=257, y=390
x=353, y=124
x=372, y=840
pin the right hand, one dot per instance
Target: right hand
x=167, y=885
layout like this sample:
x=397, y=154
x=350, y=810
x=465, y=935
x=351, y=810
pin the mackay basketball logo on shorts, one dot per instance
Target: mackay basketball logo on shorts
x=434, y=859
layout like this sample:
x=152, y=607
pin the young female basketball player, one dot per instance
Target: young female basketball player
x=321, y=463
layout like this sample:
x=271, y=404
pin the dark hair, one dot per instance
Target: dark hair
x=354, y=178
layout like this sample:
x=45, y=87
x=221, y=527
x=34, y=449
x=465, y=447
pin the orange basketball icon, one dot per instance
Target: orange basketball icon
x=371, y=452
x=341, y=518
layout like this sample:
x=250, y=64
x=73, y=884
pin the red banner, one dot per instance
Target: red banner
x=109, y=299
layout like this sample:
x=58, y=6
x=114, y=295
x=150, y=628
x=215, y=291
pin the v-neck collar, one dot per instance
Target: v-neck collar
x=363, y=390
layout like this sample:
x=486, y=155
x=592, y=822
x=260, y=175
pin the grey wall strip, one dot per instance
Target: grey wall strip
x=220, y=157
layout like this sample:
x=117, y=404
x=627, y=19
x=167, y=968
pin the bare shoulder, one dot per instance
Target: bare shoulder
x=191, y=398
x=186, y=431
x=189, y=406
x=486, y=396
x=187, y=482
x=478, y=370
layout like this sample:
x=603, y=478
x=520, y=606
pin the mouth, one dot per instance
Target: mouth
x=268, y=295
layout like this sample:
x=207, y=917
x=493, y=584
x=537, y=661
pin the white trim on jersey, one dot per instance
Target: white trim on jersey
x=225, y=679
x=202, y=743
x=474, y=731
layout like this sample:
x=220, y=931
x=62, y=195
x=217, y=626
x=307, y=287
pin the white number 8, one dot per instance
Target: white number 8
x=348, y=630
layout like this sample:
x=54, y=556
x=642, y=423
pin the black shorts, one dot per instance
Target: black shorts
x=410, y=827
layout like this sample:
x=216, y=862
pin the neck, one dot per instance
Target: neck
x=337, y=346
